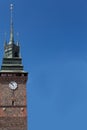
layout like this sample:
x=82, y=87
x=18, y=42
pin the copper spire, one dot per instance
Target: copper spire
x=11, y=26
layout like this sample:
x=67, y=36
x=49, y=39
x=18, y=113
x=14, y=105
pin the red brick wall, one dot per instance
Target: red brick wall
x=13, y=117
x=15, y=123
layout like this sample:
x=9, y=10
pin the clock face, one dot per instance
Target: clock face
x=13, y=85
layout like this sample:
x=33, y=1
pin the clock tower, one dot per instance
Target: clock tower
x=13, y=78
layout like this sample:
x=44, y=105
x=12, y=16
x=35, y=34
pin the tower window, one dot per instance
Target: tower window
x=12, y=103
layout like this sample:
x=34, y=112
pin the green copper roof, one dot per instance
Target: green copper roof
x=11, y=60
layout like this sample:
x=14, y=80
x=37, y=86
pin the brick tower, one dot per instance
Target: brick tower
x=13, y=111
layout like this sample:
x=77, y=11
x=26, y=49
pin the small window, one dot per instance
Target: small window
x=12, y=103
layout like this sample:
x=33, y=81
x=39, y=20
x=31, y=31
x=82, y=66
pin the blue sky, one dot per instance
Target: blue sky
x=53, y=38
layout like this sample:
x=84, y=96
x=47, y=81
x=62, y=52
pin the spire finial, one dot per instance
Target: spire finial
x=5, y=42
x=11, y=26
x=17, y=38
x=11, y=8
